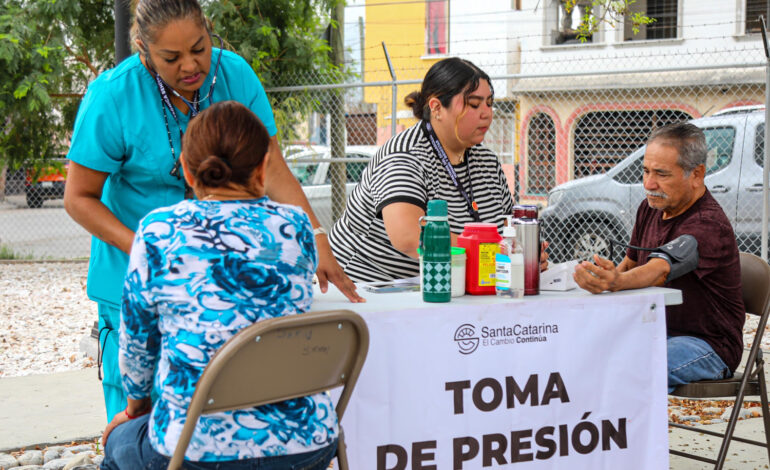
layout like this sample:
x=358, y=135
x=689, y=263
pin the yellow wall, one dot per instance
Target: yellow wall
x=402, y=27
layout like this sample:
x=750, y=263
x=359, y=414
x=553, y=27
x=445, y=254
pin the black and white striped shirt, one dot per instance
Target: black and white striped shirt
x=407, y=169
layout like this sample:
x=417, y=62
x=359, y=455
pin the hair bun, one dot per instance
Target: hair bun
x=214, y=171
x=416, y=101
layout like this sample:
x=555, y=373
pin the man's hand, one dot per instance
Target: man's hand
x=543, y=256
x=597, y=278
x=329, y=270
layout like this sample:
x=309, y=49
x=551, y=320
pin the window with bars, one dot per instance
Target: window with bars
x=436, y=27
x=755, y=9
x=541, y=155
x=664, y=12
x=604, y=138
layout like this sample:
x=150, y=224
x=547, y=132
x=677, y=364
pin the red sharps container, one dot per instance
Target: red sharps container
x=481, y=243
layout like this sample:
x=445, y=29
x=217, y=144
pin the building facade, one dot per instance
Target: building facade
x=567, y=108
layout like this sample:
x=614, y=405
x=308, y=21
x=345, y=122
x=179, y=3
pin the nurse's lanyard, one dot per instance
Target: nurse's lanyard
x=194, y=106
x=166, y=103
x=473, y=208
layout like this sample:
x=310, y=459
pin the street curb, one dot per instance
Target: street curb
x=86, y=440
x=43, y=261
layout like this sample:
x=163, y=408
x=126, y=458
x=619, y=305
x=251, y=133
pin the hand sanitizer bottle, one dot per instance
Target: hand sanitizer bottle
x=509, y=264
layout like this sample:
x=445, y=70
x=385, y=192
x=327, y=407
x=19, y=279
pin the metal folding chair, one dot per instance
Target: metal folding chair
x=755, y=277
x=280, y=359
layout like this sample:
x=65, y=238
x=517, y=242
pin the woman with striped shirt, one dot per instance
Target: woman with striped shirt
x=440, y=157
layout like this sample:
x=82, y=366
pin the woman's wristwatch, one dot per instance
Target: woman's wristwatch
x=319, y=231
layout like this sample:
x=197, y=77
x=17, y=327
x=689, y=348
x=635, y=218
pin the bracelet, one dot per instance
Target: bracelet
x=319, y=231
x=134, y=417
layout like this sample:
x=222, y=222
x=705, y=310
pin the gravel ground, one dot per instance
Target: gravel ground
x=44, y=314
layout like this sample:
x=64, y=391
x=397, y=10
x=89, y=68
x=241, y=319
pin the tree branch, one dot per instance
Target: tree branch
x=66, y=95
x=82, y=59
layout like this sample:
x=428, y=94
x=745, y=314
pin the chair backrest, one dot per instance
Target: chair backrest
x=755, y=278
x=279, y=359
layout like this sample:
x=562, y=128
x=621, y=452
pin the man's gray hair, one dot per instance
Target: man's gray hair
x=689, y=140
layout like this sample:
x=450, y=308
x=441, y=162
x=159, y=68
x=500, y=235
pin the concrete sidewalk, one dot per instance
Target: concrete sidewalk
x=739, y=456
x=51, y=408
x=68, y=406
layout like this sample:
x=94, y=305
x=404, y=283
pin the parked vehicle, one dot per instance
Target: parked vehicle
x=583, y=215
x=45, y=183
x=311, y=166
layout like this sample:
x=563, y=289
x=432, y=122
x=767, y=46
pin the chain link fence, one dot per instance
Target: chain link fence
x=568, y=128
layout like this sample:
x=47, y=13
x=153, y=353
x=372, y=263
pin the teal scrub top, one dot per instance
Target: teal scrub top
x=120, y=130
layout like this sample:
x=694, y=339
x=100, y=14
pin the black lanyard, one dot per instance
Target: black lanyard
x=176, y=170
x=473, y=208
x=194, y=105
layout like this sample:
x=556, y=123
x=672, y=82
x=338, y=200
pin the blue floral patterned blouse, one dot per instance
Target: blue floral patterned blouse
x=199, y=272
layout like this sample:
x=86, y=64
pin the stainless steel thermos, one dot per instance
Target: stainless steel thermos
x=528, y=234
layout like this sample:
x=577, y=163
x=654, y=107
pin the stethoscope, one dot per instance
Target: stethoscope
x=193, y=105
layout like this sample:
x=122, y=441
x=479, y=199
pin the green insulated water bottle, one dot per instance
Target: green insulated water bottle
x=436, y=253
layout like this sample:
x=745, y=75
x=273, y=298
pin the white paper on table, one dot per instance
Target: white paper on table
x=396, y=285
x=559, y=276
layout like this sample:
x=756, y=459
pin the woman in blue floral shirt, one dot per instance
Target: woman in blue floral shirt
x=200, y=271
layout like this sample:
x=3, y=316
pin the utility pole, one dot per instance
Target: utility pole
x=337, y=170
x=122, y=39
x=766, y=166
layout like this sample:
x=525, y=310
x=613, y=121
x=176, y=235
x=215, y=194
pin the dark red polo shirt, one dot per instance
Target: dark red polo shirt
x=712, y=307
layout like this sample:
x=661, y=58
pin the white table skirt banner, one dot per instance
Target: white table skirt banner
x=574, y=383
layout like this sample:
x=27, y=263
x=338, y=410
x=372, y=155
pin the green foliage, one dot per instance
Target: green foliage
x=283, y=41
x=29, y=63
x=280, y=38
x=49, y=50
x=611, y=12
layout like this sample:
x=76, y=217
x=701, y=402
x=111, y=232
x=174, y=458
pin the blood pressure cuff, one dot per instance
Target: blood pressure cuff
x=681, y=254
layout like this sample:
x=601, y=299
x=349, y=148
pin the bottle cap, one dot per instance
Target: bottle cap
x=509, y=232
x=456, y=250
x=480, y=228
x=437, y=208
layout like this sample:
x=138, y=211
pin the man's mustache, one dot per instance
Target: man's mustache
x=656, y=194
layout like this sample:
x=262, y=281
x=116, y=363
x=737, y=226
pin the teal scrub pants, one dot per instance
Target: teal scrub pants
x=109, y=324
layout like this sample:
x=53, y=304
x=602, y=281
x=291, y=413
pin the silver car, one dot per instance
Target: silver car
x=584, y=215
x=311, y=166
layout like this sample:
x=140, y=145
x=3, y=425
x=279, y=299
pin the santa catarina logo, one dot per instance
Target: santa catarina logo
x=466, y=339
x=469, y=337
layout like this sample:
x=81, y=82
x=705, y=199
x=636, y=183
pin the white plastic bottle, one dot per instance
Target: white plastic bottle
x=517, y=268
x=509, y=266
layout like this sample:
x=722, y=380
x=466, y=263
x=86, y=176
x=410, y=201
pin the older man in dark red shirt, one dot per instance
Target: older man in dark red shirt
x=705, y=339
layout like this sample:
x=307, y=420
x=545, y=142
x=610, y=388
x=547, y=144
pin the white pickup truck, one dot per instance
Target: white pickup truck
x=583, y=215
x=311, y=165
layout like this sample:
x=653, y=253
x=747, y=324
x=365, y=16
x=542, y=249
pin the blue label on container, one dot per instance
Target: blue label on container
x=502, y=272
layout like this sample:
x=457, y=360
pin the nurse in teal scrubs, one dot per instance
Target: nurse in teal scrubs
x=126, y=145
